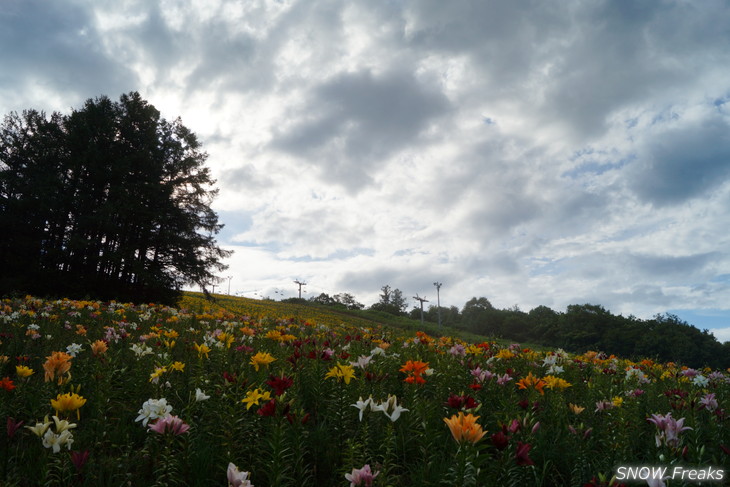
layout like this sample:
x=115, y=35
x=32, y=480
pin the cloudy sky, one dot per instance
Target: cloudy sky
x=532, y=152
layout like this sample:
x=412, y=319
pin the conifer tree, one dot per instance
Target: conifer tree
x=111, y=201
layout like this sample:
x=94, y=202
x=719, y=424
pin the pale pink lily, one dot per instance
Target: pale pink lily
x=709, y=401
x=363, y=476
x=481, y=375
x=503, y=379
x=669, y=429
x=236, y=478
x=171, y=424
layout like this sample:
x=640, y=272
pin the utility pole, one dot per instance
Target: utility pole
x=300, y=287
x=438, y=300
x=422, y=300
x=229, y=284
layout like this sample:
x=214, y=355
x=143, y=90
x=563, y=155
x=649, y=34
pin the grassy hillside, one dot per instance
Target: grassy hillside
x=316, y=314
x=106, y=394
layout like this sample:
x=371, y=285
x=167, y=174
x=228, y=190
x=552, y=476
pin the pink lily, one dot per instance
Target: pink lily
x=358, y=476
x=170, y=423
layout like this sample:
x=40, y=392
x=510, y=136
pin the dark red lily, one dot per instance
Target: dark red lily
x=522, y=455
x=280, y=384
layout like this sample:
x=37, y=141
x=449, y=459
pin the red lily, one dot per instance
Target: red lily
x=522, y=455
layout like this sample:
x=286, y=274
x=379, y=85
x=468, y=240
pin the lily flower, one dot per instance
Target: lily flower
x=99, y=347
x=261, y=358
x=54, y=439
x=40, y=428
x=74, y=349
x=709, y=401
x=465, y=428
x=390, y=408
x=236, y=478
x=153, y=409
x=280, y=384
x=57, y=364
x=341, y=373
x=534, y=382
x=23, y=371
x=57, y=440
x=7, y=384
x=13, y=426
x=669, y=429
x=254, y=397
x=202, y=350
x=363, y=405
x=576, y=409
x=200, y=395
x=415, y=369
x=362, y=476
x=500, y=440
x=68, y=402
x=522, y=454
x=552, y=382
x=268, y=409
x=481, y=375
x=79, y=458
x=171, y=424
x=503, y=379
x=362, y=361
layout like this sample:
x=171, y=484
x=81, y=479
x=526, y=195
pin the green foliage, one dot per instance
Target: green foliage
x=391, y=301
x=313, y=435
x=110, y=201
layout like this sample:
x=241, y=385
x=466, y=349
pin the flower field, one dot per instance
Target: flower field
x=255, y=393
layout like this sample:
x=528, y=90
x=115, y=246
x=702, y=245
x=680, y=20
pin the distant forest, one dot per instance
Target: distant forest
x=665, y=338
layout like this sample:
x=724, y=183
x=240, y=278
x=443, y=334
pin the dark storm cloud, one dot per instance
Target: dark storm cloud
x=686, y=161
x=56, y=48
x=354, y=121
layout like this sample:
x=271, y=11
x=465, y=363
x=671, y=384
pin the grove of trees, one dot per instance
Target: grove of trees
x=111, y=201
x=578, y=329
x=591, y=327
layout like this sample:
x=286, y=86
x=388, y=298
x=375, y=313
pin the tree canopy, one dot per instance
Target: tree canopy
x=391, y=301
x=111, y=201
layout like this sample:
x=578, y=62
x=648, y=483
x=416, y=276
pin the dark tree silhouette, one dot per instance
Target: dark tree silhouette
x=111, y=201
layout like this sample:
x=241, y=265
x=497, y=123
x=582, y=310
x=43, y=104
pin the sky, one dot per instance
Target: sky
x=549, y=152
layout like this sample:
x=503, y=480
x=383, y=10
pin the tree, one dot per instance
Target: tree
x=398, y=301
x=324, y=299
x=478, y=315
x=348, y=300
x=111, y=201
x=391, y=301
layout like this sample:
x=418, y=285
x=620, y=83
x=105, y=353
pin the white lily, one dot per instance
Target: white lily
x=200, y=395
x=363, y=405
x=390, y=408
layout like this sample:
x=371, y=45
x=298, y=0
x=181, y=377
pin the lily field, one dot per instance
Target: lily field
x=242, y=392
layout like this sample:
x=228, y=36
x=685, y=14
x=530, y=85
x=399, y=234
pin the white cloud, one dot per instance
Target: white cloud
x=542, y=153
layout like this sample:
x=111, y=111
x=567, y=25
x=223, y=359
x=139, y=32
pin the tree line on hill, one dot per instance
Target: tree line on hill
x=110, y=202
x=579, y=328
